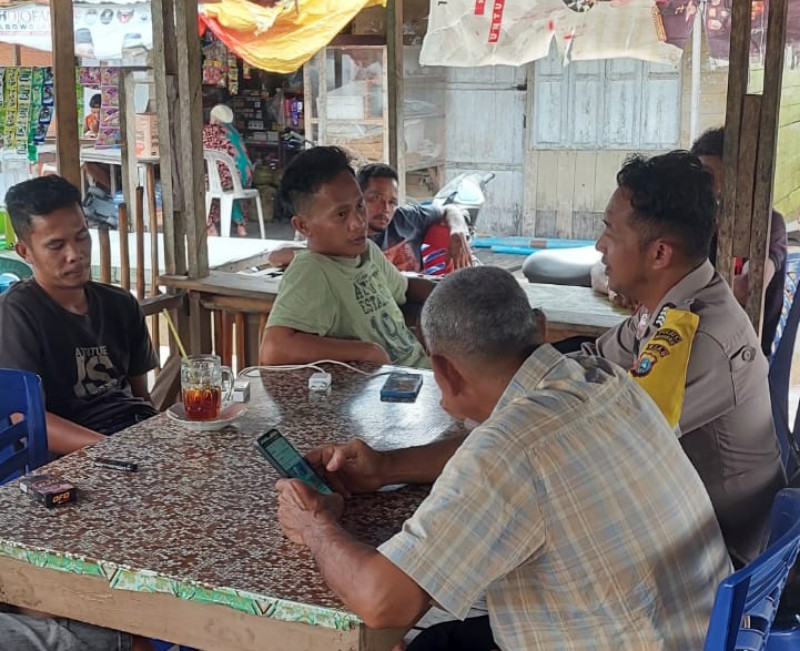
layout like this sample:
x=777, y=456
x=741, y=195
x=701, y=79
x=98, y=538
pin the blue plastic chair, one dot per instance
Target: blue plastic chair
x=780, y=366
x=782, y=636
x=23, y=446
x=747, y=600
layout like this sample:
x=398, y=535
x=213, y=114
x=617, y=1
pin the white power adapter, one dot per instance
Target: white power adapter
x=320, y=381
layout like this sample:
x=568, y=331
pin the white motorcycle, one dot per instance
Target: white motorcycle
x=466, y=191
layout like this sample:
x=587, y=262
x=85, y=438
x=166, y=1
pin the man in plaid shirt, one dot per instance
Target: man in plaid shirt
x=572, y=506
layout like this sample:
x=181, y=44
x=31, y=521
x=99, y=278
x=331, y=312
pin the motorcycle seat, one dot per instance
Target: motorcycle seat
x=561, y=266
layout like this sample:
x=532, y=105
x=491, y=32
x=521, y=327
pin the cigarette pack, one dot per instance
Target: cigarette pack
x=49, y=489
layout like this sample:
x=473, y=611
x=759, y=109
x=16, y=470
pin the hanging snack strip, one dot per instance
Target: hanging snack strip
x=25, y=84
x=48, y=105
x=10, y=103
x=26, y=108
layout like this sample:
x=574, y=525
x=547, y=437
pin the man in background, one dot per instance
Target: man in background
x=399, y=231
x=708, y=148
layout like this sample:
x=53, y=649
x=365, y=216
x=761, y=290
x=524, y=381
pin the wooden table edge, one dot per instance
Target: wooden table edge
x=211, y=627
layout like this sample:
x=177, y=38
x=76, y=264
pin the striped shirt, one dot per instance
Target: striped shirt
x=574, y=507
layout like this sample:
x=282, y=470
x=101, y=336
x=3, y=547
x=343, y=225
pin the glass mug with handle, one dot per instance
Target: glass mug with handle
x=206, y=386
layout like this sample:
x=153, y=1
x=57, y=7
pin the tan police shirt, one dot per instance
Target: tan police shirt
x=726, y=424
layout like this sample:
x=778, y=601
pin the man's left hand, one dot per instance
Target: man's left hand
x=459, y=252
x=301, y=508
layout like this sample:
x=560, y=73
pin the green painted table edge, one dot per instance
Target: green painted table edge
x=124, y=578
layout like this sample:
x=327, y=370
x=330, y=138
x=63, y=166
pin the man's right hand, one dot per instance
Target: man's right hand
x=352, y=467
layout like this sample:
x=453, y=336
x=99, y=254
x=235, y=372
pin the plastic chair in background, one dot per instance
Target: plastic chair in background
x=23, y=445
x=746, y=602
x=18, y=268
x=780, y=365
x=227, y=197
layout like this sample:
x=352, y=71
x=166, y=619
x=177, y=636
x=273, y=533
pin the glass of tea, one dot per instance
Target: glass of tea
x=206, y=385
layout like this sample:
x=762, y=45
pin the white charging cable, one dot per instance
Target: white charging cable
x=319, y=381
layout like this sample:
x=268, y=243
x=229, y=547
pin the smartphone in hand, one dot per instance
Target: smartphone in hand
x=287, y=460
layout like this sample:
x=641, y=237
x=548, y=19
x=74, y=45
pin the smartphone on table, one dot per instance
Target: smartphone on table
x=287, y=461
x=401, y=387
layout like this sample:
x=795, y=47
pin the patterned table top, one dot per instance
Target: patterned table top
x=198, y=519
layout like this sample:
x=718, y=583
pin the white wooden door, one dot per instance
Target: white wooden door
x=486, y=132
x=610, y=104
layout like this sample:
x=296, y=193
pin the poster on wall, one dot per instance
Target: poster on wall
x=469, y=33
x=105, y=32
x=513, y=32
x=718, y=30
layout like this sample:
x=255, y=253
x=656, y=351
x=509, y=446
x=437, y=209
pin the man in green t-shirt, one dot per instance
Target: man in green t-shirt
x=341, y=298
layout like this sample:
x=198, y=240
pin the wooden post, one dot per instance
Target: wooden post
x=105, y=255
x=765, y=162
x=240, y=341
x=127, y=125
x=150, y=189
x=745, y=173
x=396, y=92
x=751, y=130
x=176, y=65
x=138, y=229
x=68, y=138
x=322, y=102
x=155, y=321
x=199, y=326
x=191, y=136
x=124, y=251
x=738, y=73
x=165, y=68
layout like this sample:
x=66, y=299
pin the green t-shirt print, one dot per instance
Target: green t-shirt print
x=348, y=298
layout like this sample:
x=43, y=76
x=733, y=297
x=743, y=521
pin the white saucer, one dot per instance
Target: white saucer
x=226, y=417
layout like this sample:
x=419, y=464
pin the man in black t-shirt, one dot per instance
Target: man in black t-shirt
x=400, y=231
x=87, y=341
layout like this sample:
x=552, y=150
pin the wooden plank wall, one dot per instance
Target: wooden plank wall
x=713, y=91
x=566, y=191
x=786, y=193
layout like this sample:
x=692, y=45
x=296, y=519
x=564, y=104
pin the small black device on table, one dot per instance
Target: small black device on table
x=401, y=387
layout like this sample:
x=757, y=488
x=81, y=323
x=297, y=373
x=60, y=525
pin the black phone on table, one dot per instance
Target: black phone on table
x=287, y=460
x=401, y=387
